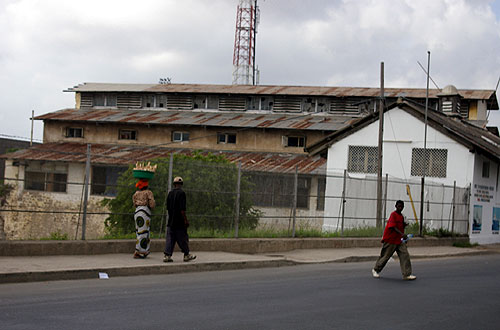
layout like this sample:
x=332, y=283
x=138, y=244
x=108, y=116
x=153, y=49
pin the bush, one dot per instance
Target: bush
x=210, y=186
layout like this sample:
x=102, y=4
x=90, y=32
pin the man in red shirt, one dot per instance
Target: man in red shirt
x=393, y=242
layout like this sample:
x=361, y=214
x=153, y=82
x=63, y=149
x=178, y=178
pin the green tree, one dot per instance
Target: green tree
x=210, y=186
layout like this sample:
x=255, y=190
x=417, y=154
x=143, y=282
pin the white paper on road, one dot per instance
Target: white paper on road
x=103, y=276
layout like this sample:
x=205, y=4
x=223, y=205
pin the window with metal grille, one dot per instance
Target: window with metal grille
x=429, y=162
x=362, y=159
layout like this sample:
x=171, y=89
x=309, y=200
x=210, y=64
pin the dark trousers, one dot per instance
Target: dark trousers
x=387, y=252
x=179, y=236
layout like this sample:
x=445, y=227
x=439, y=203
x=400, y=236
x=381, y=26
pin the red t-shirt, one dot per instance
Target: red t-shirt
x=391, y=236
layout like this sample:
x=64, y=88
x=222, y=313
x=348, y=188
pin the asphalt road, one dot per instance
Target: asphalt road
x=453, y=293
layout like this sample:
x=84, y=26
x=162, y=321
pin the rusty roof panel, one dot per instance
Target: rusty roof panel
x=125, y=155
x=275, y=90
x=191, y=117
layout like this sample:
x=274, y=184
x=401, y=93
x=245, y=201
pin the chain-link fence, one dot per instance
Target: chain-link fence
x=223, y=198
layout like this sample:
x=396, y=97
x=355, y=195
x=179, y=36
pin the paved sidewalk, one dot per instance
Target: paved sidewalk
x=62, y=267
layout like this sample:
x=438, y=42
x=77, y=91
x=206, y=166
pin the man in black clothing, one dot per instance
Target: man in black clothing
x=177, y=222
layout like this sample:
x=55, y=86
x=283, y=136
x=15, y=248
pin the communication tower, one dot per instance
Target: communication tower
x=247, y=19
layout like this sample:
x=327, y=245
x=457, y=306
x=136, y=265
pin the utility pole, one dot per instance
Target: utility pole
x=426, y=156
x=380, y=144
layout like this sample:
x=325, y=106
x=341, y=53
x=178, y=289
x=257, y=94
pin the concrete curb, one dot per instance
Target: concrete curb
x=93, y=273
x=413, y=257
x=233, y=245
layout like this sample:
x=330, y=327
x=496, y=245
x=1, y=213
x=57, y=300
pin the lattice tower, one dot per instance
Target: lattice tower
x=247, y=19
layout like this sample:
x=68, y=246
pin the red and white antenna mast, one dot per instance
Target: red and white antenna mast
x=247, y=19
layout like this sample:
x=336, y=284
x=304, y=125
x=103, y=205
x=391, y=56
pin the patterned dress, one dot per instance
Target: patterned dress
x=143, y=201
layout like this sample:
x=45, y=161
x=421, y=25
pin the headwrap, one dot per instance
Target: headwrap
x=142, y=183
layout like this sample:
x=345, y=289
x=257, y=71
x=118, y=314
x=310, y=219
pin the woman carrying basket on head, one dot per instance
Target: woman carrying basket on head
x=144, y=202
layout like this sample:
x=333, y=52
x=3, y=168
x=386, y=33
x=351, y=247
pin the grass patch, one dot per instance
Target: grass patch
x=300, y=232
x=56, y=236
x=120, y=236
x=465, y=244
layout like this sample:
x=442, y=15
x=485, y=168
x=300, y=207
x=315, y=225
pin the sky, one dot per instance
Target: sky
x=51, y=45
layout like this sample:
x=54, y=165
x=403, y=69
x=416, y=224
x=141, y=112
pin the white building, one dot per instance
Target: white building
x=458, y=153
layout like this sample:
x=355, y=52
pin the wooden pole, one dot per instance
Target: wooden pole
x=380, y=147
x=86, y=193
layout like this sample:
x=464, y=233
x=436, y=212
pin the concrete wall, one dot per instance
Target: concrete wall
x=39, y=222
x=264, y=140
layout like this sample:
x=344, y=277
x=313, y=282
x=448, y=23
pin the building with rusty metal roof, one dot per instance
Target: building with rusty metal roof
x=446, y=152
x=268, y=129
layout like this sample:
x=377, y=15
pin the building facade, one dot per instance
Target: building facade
x=458, y=154
x=266, y=128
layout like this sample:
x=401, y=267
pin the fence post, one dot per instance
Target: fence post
x=295, y=187
x=343, y=204
x=469, y=192
x=453, y=209
x=169, y=187
x=385, y=200
x=422, y=195
x=237, y=206
x=86, y=193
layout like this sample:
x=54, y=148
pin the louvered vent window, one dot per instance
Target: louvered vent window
x=179, y=102
x=431, y=162
x=287, y=105
x=86, y=100
x=464, y=109
x=447, y=106
x=129, y=101
x=342, y=105
x=362, y=159
x=232, y=103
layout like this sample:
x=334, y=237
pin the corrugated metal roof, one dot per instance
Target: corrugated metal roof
x=125, y=155
x=473, y=137
x=197, y=118
x=275, y=90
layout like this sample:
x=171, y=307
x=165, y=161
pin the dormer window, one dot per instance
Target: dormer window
x=154, y=101
x=104, y=100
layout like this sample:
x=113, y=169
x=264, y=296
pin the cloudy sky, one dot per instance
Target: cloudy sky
x=50, y=45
